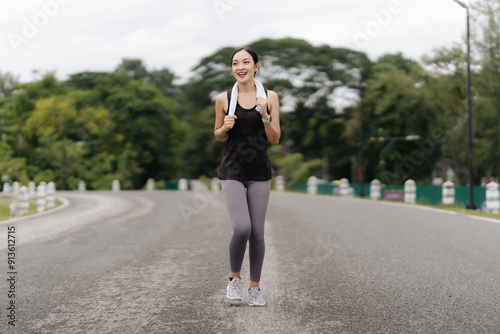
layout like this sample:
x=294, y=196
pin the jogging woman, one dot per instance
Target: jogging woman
x=248, y=118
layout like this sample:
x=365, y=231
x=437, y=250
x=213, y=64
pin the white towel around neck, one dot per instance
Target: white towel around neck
x=234, y=95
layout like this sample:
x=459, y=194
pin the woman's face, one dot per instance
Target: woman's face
x=244, y=67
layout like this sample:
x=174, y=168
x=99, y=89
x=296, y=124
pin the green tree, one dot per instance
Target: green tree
x=146, y=119
x=13, y=168
x=133, y=68
x=397, y=104
x=316, y=133
x=63, y=138
x=8, y=83
x=199, y=137
x=448, y=90
x=293, y=167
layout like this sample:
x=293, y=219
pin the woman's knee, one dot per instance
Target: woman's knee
x=257, y=237
x=242, y=231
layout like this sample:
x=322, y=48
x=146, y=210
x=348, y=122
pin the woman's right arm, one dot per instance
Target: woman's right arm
x=223, y=122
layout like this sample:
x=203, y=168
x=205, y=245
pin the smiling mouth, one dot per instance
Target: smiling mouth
x=241, y=74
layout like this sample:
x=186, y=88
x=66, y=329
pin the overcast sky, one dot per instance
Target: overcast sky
x=71, y=36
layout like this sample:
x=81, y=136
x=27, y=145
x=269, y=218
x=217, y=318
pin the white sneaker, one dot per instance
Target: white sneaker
x=255, y=298
x=234, y=290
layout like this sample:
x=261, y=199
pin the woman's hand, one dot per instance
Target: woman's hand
x=262, y=103
x=229, y=121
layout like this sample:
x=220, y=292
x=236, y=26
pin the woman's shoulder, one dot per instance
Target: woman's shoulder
x=222, y=98
x=272, y=95
x=221, y=102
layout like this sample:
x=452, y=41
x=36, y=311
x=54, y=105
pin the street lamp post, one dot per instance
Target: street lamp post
x=470, y=205
x=361, y=130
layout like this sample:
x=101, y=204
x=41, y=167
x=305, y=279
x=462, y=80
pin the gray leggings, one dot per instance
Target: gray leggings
x=247, y=208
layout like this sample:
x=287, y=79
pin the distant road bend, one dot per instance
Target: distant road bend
x=157, y=262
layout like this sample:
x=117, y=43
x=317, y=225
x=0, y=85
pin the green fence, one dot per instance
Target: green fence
x=172, y=185
x=431, y=195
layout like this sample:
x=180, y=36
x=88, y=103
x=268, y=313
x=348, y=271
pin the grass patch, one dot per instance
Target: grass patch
x=453, y=207
x=460, y=209
x=5, y=209
x=423, y=201
x=463, y=210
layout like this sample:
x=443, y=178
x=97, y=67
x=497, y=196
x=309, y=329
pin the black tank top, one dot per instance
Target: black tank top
x=245, y=157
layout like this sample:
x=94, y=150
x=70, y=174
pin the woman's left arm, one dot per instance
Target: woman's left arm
x=273, y=130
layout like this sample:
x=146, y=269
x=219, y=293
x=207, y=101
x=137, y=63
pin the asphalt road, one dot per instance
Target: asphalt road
x=157, y=262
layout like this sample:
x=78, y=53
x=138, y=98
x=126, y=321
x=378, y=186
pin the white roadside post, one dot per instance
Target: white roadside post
x=51, y=194
x=24, y=201
x=40, y=197
x=312, y=185
x=115, y=186
x=14, y=209
x=215, y=185
x=81, y=186
x=32, y=190
x=375, y=190
x=7, y=189
x=280, y=183
x=183, y=184
x=492, y=198
x=345, y=188
x=448, y=193
x=410, y=191
x=15, y=189
x=343, y=185
x=150, y=185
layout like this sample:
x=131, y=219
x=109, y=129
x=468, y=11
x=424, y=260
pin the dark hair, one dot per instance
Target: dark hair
x=252, y=53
